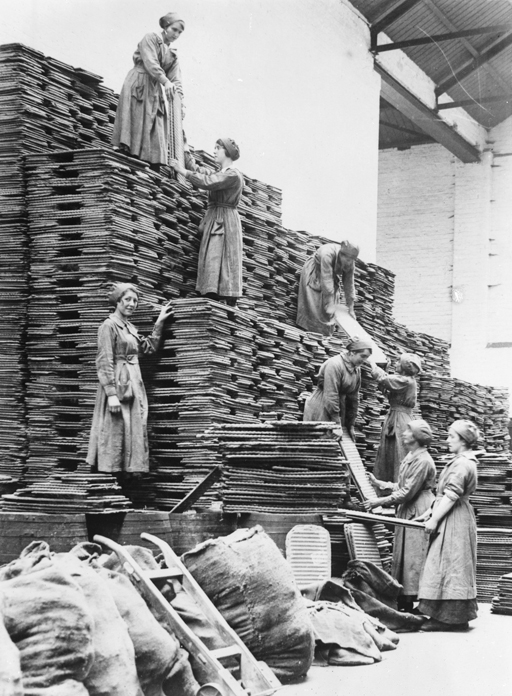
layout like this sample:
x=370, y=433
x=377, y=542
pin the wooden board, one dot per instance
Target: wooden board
x=353, y=328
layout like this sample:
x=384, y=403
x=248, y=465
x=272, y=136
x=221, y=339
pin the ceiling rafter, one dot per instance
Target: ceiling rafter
x=441, y=17
x=472, y=65
x=449, y=36
x=390, y=15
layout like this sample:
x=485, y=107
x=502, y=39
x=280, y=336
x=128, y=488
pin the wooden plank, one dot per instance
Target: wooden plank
x=382, y=519
x=353, y=328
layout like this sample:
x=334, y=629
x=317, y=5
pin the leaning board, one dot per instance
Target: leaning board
x=353, y=328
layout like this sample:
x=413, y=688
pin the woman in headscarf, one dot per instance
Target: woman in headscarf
x=447, y=590
x=219, y=271
x=119, y=438
x=141, y=127
x=336, y=397
x=401, y=391
x=331, y=266
x=413, y=495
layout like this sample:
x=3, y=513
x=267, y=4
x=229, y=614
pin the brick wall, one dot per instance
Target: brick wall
x=445, y=229
x=415, y=234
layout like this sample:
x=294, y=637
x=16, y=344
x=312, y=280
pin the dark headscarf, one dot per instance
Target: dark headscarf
x=232, y=149
x=119, y=290
x=467, y=430
x=421, y=431
x=171, y=18
x=349, y=249
x=357, y=343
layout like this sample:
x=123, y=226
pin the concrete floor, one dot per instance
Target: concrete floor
x=476, y=663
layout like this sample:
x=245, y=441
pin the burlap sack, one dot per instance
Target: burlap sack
x=162, y=665
x=10, y=668
x=47, y=618
x=252, y=585
x=113, y=671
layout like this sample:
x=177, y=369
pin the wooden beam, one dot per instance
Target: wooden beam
x=426, y=119
x=472, y=65
x=434, y=9
x=449, y=36
x=390, y=15
x=474, y=102
x=402, y=129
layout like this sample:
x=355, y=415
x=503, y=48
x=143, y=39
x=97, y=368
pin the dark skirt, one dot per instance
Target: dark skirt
x=449, y=611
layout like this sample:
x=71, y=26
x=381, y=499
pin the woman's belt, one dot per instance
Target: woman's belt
x=401, y=409
x=220, y=206
x=131, y=359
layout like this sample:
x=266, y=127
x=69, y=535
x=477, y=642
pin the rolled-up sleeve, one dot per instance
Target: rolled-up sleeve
x=454, y=484
x=150, y=344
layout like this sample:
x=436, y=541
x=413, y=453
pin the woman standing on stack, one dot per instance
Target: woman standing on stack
x=336, y=397
x=413, y=495
x=119, y=438
x=141, y=127
x=219, y=272
x=401, y=390
x=447, y=591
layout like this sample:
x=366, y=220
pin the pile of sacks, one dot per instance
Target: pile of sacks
x=70, y=627
x=73, y=624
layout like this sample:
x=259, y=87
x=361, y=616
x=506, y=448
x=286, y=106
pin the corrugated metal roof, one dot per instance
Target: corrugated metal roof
x=440, y=61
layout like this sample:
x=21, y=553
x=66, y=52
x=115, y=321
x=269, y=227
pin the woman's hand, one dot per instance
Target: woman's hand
x=170, y=90
x=352, y=312
x=352, y=433
x=370, y=504
x=114, y=405
x=177, y=166
x=380, y=485
x=430, y=526
x=165, y=312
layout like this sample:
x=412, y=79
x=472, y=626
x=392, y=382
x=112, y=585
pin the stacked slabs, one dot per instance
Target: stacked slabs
x=502, y=601
x=494, y=558
x=91, y=221
x=281, y=467
x=40, y=112
x=206, y=374
x=492, y=498
x=68, y=493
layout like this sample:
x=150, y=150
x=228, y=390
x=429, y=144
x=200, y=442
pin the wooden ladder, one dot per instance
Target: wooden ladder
x=256, y=678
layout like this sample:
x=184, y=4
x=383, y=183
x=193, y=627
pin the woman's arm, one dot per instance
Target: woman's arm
x=213, y=181
x=105, y=361
x=151, y=343
x=174, y=76
x=442, y=508
x=352, y=408
x=349, y=288
x=149, y=49
x=327, y=284
x=331, y=390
